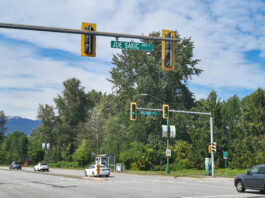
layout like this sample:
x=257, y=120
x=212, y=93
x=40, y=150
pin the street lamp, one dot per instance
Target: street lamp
x=145, y=94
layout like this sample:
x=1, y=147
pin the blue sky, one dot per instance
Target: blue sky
x=228, y=37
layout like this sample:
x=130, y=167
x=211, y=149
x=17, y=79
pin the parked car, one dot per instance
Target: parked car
x=254, y=179
x=15, y=165
x=41, y=167
x=92, y=171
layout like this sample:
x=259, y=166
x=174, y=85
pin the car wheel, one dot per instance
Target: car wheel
x=239, y=186
x=107, y=175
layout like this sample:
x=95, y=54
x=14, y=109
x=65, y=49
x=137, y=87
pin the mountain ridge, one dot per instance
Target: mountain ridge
x=17, y=123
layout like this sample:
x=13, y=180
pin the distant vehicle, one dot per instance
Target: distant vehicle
x=41, y=167
x=92, y=171
x=253, y=179
x=15, y=165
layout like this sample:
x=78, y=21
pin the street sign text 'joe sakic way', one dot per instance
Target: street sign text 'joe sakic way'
x=132, y=45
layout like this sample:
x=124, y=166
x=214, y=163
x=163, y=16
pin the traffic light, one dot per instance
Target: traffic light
x=88, y=41
x=168, y=51
x=214, y=146
x=98, y=169
x=165, y=111
x=132, y=111
x=209, y=149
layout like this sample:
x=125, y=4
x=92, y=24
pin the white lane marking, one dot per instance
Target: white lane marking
x=214, y=196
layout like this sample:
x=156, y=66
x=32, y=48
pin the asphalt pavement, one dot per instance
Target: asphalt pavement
x=72, y=183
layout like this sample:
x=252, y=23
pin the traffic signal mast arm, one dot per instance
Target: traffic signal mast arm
x=175, y=111
x=77, y=31
x=192, y=112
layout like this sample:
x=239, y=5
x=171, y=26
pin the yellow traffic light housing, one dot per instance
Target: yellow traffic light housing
x=132, y=111
x=88, y=41
x=168, y=51
x=165, y=111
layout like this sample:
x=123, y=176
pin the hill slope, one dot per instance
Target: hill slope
x=15, y=123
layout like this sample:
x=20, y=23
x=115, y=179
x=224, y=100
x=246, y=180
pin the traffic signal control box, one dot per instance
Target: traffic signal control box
x=168, y=51
x=88, y=41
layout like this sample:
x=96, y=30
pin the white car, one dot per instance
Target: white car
x=41, y=167
x=92, y=171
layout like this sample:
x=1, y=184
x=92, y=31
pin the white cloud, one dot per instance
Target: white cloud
x=222, y=32
x=34, y=80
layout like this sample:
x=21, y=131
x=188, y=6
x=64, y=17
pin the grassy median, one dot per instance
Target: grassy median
x=192, y=173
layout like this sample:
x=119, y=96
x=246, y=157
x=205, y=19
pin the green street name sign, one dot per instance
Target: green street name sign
x=132, y=45
x=148, y=113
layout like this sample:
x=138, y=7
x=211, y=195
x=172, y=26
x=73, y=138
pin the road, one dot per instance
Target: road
x=72, y=183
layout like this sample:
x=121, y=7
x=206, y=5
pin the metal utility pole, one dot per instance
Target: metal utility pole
x=212, y=154
x=168, y=129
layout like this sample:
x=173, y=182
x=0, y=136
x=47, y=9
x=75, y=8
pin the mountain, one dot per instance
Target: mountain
x=15, y=123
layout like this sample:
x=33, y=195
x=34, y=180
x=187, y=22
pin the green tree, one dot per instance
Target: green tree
x=137, y=72
x=250, y=137
x=35, y=152
x=72, y=107
x=182, y=154
x=83, y=154
x=15, y=145
x=2, y=125
x=138, y=157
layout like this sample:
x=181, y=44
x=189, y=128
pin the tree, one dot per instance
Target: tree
x=182, y=154
x=72, y=107
x=16, y=145
x=138, y=157
x=35, y=152
x=2, y=125
x=83, y=154
x=47, y=118
x=248, y=146
x=137, y=72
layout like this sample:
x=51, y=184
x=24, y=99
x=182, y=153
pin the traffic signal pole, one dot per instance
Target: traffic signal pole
x=168, y=168
x=212, y=153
